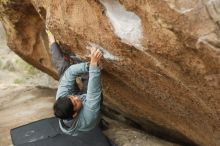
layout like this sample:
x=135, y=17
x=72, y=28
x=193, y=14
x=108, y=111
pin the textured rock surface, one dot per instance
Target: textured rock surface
x=33, y=94
x=162, y=61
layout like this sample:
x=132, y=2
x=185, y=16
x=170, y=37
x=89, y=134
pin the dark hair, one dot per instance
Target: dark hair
x=63, y=108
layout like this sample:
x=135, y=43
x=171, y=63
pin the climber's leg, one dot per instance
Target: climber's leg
x=58, y=59
x=60, y=62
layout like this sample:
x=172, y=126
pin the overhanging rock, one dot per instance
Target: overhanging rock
x=162, y=58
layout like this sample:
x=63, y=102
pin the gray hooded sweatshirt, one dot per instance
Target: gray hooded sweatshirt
x=89, y=114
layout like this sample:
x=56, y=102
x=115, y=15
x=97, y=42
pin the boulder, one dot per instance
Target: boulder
x=161, y=58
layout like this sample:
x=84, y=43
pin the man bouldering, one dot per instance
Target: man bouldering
x=77, y=112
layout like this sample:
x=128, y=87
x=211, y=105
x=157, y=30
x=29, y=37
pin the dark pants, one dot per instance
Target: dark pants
x=62, y=65
x=58, y=59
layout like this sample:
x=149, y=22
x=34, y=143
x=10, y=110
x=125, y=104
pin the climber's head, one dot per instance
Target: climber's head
x=67, y=107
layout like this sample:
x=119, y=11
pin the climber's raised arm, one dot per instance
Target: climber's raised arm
x=94, y=85
x=68, y=80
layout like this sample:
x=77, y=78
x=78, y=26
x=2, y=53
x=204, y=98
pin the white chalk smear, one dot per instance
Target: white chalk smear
x=182, y=9
x=205, y=40
x=28, y=133
x=106, y=54
x=126, y=24
x=201, y=39
x=36, y=139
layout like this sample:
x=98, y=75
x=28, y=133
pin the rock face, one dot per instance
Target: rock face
x=161, y=58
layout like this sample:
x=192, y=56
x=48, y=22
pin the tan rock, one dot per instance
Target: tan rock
x=162, y=58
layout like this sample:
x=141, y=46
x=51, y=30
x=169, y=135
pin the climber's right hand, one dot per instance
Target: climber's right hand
x=96, y=55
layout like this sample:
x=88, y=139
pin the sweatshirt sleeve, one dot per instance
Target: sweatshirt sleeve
x=94, y=90
x=67, y=83
x=90, y=114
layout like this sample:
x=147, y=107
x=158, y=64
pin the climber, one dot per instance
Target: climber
x=77, y=111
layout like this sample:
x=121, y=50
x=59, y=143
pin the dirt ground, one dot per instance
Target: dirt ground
x=20, y=105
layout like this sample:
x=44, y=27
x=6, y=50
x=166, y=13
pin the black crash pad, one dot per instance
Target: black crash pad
x=46, y=132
